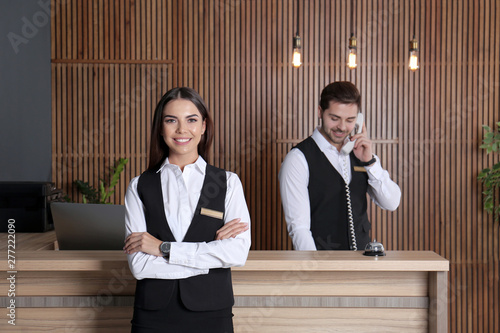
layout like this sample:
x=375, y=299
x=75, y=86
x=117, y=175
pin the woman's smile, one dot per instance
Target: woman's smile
x=182, y=141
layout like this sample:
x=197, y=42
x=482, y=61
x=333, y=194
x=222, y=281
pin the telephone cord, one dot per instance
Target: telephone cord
x=349, y=206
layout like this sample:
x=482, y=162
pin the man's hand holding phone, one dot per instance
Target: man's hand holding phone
x=359, y=142
x=363, y=146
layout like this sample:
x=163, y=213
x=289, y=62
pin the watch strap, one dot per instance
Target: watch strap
x=373, y=160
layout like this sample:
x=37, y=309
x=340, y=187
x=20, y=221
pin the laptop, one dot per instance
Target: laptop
x=89, y=226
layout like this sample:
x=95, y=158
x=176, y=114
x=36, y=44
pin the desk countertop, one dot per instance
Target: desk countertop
x=34, y=252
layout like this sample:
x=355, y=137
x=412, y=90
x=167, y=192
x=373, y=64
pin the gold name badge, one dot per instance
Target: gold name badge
x=359, y=169
x=212, y=213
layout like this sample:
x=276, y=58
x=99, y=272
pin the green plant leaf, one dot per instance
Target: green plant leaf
x=104, y=191
x=104, y=194
x=89, y=193
x=117, y=170
x=490, y=178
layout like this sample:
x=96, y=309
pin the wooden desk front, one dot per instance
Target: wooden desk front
x=276, y=291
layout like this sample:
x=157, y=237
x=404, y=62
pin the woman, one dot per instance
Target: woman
x=186, y=222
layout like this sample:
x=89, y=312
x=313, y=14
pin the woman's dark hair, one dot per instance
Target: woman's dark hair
x=158, y=149
x=343, y=92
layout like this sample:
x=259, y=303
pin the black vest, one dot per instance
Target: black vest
x=212, y=291
x=328, y=202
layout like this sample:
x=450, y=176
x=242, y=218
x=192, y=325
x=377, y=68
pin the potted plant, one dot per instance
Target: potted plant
x=491, y=177
x=103, y=194
x=95, y=224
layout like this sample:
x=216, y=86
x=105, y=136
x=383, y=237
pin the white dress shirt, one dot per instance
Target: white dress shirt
x=294, y=181
x=181, y=192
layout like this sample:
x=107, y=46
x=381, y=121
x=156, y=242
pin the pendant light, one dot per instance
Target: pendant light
x=413, y=64
x=296, y=61
x=352, y=57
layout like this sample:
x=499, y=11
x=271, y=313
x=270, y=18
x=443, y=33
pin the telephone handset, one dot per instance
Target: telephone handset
x=358, y=128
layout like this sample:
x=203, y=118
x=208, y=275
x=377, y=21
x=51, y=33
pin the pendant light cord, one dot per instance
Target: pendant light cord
x=298, y=3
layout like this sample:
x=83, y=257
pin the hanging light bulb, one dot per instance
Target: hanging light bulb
x=352, y=62
x=296, y=61
x=296, y=51
x=413, y=54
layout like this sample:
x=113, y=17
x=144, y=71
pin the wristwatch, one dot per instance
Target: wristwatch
x=165, y=249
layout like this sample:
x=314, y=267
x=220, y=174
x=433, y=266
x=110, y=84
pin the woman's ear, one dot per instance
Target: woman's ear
x=204, y=127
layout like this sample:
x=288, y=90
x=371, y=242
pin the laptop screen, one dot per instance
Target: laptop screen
x=89, y=226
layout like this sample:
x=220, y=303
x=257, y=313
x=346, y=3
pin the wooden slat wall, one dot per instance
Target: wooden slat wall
x=107, y=75
x=112, y=61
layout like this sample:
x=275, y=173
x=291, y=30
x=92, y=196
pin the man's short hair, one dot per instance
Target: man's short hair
x=343, y=92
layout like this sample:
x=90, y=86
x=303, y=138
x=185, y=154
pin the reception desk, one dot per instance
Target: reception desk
x=276, y=291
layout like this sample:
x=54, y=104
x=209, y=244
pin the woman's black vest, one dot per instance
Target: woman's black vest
x=212, y=291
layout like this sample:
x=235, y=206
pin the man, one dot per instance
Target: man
x=323, y=189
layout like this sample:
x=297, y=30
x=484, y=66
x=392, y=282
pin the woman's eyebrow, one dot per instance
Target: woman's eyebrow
x=188, y=116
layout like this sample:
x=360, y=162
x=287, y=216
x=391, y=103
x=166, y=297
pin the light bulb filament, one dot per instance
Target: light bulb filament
x=296, y=58
x=352, y=63
x=413, y=61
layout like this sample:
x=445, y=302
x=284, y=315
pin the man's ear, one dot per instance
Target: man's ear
x=320, y=112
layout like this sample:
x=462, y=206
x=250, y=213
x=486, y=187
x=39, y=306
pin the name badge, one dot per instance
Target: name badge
x=212, y=213
x=359, y=169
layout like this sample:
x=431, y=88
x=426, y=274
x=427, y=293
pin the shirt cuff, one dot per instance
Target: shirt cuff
x=375, y=170
x=182, y=253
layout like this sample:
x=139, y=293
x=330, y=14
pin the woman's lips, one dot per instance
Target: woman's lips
x=182, y=141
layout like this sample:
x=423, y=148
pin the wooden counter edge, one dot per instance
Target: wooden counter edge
x=257, y=261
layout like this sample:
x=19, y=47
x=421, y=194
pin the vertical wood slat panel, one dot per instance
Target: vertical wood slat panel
x=426, y=125
x=102, y=133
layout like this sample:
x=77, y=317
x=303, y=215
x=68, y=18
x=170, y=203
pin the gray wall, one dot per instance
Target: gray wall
x=25, y=91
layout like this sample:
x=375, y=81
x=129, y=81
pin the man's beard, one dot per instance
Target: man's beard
x=333, y=138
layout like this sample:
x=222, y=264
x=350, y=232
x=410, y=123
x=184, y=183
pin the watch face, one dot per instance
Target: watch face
x=165, y=248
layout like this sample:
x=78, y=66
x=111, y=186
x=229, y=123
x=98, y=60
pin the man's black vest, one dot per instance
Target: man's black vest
x=212, y=291
x=327, y=198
